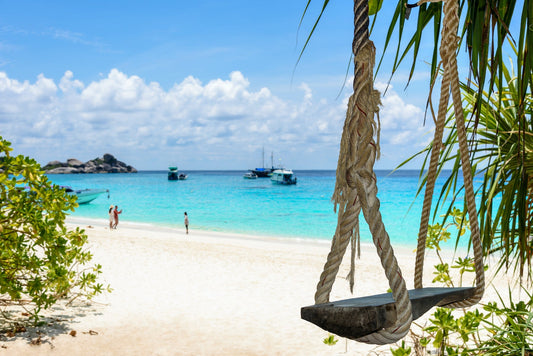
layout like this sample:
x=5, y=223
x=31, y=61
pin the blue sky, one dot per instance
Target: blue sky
x=204, y=85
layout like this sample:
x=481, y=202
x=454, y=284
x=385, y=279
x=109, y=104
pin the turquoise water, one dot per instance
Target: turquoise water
x=224, y=201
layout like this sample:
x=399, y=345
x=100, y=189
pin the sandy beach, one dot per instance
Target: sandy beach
x=204, y=294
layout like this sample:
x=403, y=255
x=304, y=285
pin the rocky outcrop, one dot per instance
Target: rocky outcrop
x=107, y=164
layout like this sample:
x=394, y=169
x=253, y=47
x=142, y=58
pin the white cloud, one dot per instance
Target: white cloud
x=220, y=124
x=401, y=122
x=67, y=85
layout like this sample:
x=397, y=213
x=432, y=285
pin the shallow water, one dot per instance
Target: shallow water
x=224, y=201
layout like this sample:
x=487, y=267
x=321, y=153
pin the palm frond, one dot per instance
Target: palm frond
x=502, y=157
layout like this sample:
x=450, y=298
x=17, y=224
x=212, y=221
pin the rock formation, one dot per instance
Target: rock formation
x=107, y=164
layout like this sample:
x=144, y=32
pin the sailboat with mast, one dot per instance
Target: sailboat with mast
x=264, y=172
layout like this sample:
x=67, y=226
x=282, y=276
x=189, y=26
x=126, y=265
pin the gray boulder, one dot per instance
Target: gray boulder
x=64, y=170
x=107, y=164
x=56, y=163
x=73, y=162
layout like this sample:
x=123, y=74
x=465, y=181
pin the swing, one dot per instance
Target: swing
x=386, y=318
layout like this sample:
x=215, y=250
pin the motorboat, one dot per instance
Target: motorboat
x=250, y=175
x=283, y=176
x=86, y=195
x=173, y=173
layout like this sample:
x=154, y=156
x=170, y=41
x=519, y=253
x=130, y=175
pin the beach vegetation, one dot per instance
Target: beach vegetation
x=502, y=164
x=403, y=350
x=330, y=340
x=515, y=335
x=504, y=328
x=41, y=261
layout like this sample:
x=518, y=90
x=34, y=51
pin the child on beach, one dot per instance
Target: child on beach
x=186, y=221
x=115, y=213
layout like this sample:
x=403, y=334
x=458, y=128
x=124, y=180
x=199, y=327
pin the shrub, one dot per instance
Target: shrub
x=40, y=260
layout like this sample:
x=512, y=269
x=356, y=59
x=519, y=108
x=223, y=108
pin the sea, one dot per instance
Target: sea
x=223, y=201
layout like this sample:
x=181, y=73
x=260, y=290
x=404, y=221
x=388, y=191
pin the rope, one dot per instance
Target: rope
x=451, y=79
x=356, y=189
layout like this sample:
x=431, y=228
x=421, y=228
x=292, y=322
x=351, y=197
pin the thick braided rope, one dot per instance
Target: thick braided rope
x=358, y=190
x=361, y=177
x=370, y=206
x=469, y=194
x=447, y=50
x=347, y=221
x=356, y=184
x=451, y=78
x=344, y=197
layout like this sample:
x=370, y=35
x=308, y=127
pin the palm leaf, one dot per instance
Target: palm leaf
x=502, y=157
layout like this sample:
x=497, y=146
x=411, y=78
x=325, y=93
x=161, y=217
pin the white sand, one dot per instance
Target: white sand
x=204, y=294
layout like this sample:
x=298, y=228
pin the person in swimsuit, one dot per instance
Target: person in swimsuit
x=115, y=213
x=186, y=221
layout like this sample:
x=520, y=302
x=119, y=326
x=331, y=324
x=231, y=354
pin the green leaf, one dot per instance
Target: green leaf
x=374, y=6
x=330, y=340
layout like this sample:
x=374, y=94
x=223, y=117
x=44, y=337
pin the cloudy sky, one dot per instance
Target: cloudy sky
x=200, y=84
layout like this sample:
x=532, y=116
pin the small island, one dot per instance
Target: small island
x=107, y=164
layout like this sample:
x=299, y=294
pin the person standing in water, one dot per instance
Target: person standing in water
x=115, y=213
x=186, y=221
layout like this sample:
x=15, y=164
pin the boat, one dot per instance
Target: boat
x=265, y=172
x=262, y=172
x=250, y=175
x=283, y=176
x=86, y=196
x=172, y=173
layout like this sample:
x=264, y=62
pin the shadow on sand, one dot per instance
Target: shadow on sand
x=59, y=319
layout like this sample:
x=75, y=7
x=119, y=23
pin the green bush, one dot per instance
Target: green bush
x=494, y=330
x=40, y=260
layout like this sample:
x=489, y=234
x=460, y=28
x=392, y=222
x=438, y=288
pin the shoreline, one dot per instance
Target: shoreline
x=148, y=226
x=205, y=293
x=224, y=202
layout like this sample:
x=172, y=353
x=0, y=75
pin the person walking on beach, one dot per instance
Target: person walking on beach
x=115, y=213
x=186, y=221
x=111, y=217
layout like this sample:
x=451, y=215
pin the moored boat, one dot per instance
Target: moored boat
x=86, y=195
x=265, y=172
x=250, y=175
x=283, y=176
x=173, y=173
x=262, y=172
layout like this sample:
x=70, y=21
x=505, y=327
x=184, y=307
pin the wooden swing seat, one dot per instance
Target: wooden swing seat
x=357, y=317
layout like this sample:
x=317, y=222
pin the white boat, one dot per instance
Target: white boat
x=283, y=176
x=86, y=195
x=182, y=176
x=250, y=175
